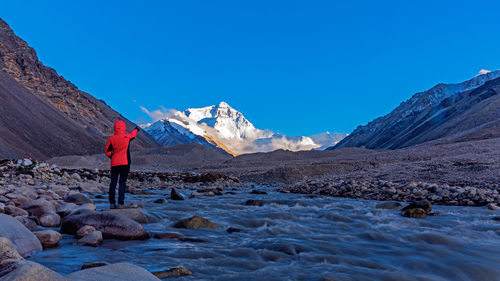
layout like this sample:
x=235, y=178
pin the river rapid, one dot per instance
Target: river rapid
x=301, y=237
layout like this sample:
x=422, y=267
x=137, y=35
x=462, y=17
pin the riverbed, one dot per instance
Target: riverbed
x=300, y=237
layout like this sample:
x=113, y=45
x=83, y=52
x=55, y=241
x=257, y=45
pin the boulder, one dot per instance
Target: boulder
x=8, y=250
x=44, y=211
x=91, y=187
x=135, y=214
x=112, y=225
x=48, y=238
x=415, y=213
x=66, y=209
x=424, y=205
x=195, y=222
x=175, y=195
x=173, y=272
x=50, y=220
x=113, y=272
x=84, y=231
x=92, y=239
x=77, y=198
x=15, y=211
x=24, y=240
x=27, y=271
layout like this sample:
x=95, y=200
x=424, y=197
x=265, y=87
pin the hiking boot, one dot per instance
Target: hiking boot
x=121, y=206
x=113, y=206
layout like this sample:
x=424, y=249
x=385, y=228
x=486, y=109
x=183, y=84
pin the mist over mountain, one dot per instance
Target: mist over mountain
x=225, y=128
x=450, y=111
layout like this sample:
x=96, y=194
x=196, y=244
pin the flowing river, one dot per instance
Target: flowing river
x=302, y=237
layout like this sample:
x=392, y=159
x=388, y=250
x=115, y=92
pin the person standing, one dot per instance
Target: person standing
x=118, y=149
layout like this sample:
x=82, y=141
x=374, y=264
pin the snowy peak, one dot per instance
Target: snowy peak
x=229, y=122
x=226, y=128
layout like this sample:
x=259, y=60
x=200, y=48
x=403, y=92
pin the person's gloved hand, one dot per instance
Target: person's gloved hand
x=137, y=128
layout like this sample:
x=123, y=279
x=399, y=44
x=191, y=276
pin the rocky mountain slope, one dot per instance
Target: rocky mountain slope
x=224, y=127
x=86, y=114
x=447, y=110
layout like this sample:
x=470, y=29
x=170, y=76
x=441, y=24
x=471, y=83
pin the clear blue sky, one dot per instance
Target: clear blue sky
x=296, y=67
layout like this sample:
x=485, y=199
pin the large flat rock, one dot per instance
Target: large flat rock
x=113, y=272
x=112, y=225
x=25, y=241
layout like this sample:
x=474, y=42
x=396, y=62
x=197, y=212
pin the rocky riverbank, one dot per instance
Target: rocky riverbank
x=39, y=202
x=444, y=194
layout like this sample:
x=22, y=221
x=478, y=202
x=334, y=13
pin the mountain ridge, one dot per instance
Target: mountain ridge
x=398, y=128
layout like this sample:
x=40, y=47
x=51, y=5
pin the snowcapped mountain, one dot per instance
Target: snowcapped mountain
x=420, y=118
x=225, y=128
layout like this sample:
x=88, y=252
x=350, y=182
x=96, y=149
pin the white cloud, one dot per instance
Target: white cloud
x=483, y=71
x=158, y=114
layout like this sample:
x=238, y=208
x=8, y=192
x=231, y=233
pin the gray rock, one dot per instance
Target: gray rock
x=48, y=238
x=136, y=214
x=27, y=271
x=92, y=239
x=66, y=209
x=76, y=176
x=27, y=162
x=24, y=240
x=113, y=272
x=195, y=222
x=77, y=198
x=44, y=211
x=111, y=225
x=8, y=250
x=15, y=211
x=50, y=220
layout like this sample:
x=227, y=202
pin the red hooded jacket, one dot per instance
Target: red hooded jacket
x=118, y=145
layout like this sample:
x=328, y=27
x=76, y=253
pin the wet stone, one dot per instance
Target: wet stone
x=175, y=195
x=174, y=272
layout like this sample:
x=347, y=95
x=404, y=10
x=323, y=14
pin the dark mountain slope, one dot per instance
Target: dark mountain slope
x=445, y=111
x=31, y=127
x=20, y=62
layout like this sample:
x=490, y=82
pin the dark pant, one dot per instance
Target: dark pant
x=122, y=173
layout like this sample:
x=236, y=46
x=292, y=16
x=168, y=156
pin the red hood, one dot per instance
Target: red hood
x=120, y=127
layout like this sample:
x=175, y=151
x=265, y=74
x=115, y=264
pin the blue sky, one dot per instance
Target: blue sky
x=296, y=67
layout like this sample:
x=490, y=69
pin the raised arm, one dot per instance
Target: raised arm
x=133, y=134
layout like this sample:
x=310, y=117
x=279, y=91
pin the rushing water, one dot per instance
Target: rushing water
x=303, y=237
